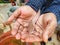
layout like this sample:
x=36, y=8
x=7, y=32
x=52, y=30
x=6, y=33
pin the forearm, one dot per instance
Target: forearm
x=54, y=8
x=36, y=4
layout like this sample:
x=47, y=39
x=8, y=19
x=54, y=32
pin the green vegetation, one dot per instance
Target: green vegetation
x=3, y=1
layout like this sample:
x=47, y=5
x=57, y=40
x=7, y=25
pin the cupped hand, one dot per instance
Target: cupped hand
x=49, y=24
x=22, y=17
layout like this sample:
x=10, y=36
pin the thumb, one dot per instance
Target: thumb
x=45, y=37
x=13, y=16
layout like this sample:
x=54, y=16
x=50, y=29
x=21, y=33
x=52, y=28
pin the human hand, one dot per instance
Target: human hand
x=22, y=17
x=49, y=22
x=24, y=12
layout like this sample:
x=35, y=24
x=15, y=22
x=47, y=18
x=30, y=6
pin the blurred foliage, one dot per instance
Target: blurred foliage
x=5, y=1
x=1, y=1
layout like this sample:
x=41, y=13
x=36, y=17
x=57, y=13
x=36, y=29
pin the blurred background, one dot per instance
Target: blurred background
x=7, y=7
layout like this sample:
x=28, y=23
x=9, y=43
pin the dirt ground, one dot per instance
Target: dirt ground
x=4, y=9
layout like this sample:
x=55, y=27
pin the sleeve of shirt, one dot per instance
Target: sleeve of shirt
x=36, y=4
x=54, y=8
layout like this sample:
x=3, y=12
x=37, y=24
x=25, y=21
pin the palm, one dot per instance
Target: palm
x=24, y=30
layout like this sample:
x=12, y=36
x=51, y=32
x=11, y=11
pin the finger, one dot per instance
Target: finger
x=29, y=39
x=51, y=23
x=51, y=33
x=39, y=29
x=24, y=33
x=25, y=24
x=20, y=29
x=45, y=37
x=20, y=21
x=18, y=36
x=15, y=28
x=33, y=38
x=40, y=20
x=13, y=16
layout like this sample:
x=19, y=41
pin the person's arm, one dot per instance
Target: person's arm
x=54, y=8
x=36, y=4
